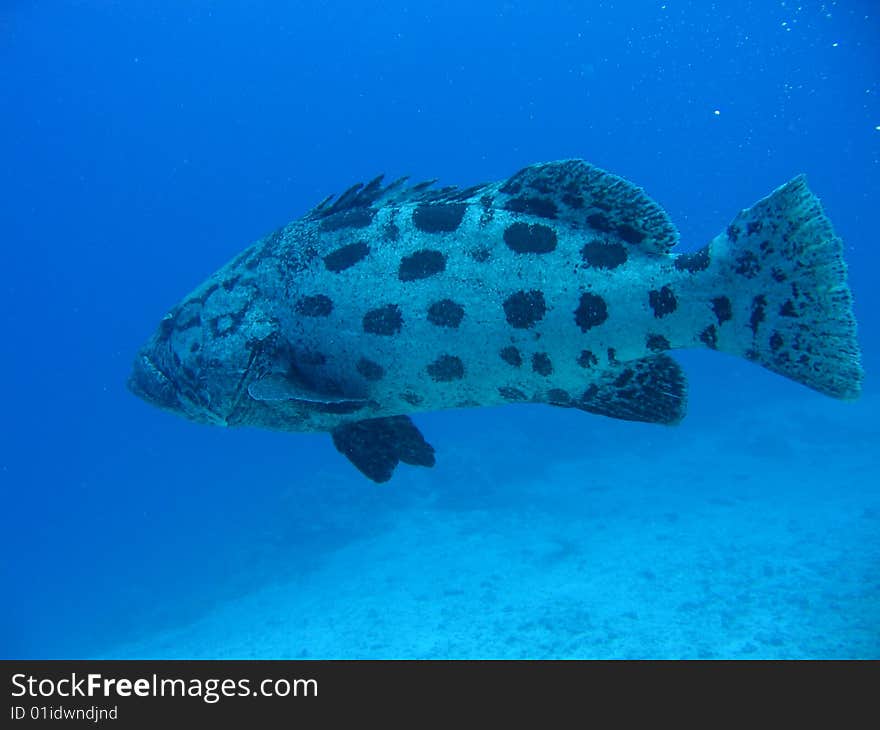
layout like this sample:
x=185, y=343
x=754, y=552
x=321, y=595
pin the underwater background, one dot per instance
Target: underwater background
x=143, y=144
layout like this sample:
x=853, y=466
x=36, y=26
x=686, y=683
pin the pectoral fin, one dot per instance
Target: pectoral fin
x=376, y=445
x=277, y=387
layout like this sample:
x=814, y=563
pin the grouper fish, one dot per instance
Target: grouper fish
x=559, y=285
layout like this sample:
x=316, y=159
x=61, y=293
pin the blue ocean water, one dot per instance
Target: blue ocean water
x=143, y=144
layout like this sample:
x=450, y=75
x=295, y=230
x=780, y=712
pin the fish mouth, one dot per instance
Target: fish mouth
x=150, y=383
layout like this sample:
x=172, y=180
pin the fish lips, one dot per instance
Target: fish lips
x=150, y=383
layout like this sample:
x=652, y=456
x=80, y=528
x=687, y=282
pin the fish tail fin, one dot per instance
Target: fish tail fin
x=787, y=298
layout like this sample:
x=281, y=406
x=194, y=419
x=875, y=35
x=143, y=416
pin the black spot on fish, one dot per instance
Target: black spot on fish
x=591, y=312
x=512, y=186
x=787, y=309
x=542, y=364
x=253, y=259
x=446, y=368
x=414, y=399
x=604, y=255
x=346, y=256
x=194, y=347
x=754, y=227
x=657, y=343
x=230, y=283
x=630, y=234
x=439, y=217
x=693, y=262
x=421, y=265
x=184, y=318
x=541, y=207
x=733, y=232
x=385, y=320
x=205, y=295
x=512, y=394
x=314, y=306
x=534, y=238
x=621, y=380
x=723, y=309
x=573, y=201
x=587, y=359
x=776, y=341
x=709, y=337
x=663, y=302
x=523, y=309
x=511, y=356
x=599, y=222
x=445, y=313
x=612, y=356
x=778, y=274
x=226, y=324
x=354, y=218
x=747, y=264
x=759, y=304
x=558, y=397
x=369, y=369
x=545, y=184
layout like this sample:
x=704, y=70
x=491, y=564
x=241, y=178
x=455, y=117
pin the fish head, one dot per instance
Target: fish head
x=203, y=355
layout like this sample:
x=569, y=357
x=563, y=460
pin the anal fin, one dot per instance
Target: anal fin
x=376, y=445
x=651, y=390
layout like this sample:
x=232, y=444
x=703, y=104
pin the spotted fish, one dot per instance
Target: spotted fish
x=558, y=286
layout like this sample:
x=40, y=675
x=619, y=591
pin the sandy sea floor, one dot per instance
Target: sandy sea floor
x=752, y=538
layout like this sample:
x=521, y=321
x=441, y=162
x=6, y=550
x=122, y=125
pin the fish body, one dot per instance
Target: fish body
x=559, y=285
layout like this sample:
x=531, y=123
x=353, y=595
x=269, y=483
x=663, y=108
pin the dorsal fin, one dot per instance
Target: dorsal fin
x=373, y=194
x=572, y=191
x=585, y=196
